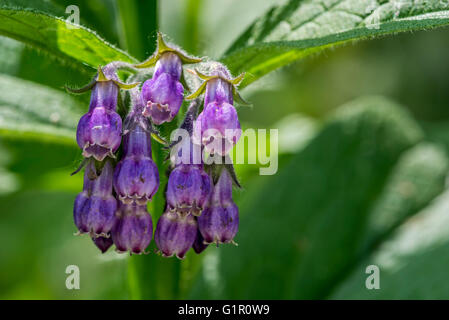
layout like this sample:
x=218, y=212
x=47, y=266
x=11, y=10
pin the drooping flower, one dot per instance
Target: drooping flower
x=95, y=206
x=199, y=245
x=188, y=189
x=136, y=177
x=175, y=234
x=217, y=128
x=163, y=94
x=133, y=229
x=99, y=131
x=220, y=219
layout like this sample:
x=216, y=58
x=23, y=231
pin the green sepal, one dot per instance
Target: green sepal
x=86, y=88
x=126, y=86
x=234, y=82
x=214, y=170
x=239, y=99
x=159, y=139
x=198, y=92
x=162, y=47
x=101, y=77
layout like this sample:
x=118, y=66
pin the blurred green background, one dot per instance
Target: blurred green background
x=361, y=177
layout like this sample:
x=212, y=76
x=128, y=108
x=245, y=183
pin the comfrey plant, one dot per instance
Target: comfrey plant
x=120, y=176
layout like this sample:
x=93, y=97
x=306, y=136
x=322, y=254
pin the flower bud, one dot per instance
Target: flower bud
x=188, y=189
x=175, y=234
x=103, y=243
x=136, y=177
x=95, y=206
x=163, y=94
x=133, y=230
x=99, y=131
x=219, y=221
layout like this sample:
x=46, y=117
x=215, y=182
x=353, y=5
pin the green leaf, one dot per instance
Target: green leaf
x=332, y=192
x=98, y=15
x=419, y=176
x=76, y=45
x=32, y=111
x=300, y=28
x=412, y=262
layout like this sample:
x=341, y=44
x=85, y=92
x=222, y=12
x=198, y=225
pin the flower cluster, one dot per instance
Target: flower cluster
x=120, y=176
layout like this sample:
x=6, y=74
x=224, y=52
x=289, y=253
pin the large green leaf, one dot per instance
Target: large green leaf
x=302, y=27
x=348, y=188
x=41, y=29
x=32, y=111
x=412, y=263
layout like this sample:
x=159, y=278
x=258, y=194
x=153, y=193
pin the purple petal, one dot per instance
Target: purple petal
x=175, y=234
x=133, y=230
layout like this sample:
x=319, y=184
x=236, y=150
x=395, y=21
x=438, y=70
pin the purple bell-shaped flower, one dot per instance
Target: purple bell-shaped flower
x=220, y=220
x=95, y=207
x=136, y=177
x=217, y=127
x=99, y=131
x=189, y=186
x=163, y=94
x=188, y=189
x=133, y=230
x=175, y=234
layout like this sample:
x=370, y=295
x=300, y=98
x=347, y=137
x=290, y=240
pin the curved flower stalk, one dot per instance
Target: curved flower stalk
x=220, y=220
x=133, y=229
x=163, y=93
x=217, y=127
x=136, y=178
x=95, y=207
